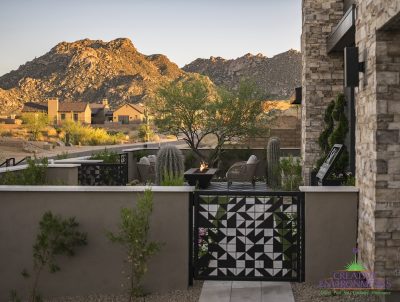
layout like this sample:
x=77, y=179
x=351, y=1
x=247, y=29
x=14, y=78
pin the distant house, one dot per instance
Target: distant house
x=129, y=114
x=61, y=111
x=100, y=112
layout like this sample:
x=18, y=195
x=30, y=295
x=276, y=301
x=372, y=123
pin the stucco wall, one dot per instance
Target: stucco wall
x=97, y=267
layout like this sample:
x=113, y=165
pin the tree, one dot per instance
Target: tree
x=234, y=115
x=194, y=108
x=35, y=123
x=180, y=108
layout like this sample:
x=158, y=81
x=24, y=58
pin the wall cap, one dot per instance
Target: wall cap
x=155, y=189
x=329, y=189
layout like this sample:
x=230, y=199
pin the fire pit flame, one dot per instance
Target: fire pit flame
x=203, y=166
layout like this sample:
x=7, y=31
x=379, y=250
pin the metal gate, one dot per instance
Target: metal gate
x=104, y=174
x=248, y=235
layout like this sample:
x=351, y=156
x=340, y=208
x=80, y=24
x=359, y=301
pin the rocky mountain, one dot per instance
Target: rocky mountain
x=88, y=70
x=276, y=77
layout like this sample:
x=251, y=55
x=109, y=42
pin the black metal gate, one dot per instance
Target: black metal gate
x=104, y=174
x=248, y=235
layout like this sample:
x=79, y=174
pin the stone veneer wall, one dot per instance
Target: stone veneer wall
x=322, y=75
x=378, y=139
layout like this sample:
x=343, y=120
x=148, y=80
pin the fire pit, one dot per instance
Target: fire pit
x=200, y=176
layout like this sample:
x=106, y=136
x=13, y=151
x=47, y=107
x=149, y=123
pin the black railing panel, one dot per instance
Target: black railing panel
x=248, y=235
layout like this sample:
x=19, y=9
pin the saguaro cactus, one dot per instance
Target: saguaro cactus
x=169, y=163
x=273, y=157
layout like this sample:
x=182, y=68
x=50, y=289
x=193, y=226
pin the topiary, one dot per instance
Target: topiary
x=169, y=163
x=335, y=132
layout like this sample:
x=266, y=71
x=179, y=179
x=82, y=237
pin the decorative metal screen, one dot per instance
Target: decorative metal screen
x=104, y=174
x=248, y=236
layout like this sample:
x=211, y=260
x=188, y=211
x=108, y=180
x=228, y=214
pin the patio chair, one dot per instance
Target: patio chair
x=243, y=171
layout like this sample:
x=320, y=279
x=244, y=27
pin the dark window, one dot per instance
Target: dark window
x=62, y=116
x=75, y=117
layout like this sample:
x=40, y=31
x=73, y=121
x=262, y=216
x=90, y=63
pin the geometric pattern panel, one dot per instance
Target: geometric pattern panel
x=103, y=174
x=247, y=236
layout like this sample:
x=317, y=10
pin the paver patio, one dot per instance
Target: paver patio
x=249, y=291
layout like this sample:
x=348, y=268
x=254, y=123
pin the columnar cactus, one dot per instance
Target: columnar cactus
x=273, y=157
x=169, y=163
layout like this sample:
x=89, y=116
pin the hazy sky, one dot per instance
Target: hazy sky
x=181, y=29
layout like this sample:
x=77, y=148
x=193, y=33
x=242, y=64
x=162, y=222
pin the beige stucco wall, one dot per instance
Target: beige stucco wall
x=330, y=230
x=97, y=267
x=134, y=115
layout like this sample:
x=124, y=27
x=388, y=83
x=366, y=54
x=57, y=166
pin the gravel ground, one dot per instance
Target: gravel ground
x=190, y=295
x=306, y=292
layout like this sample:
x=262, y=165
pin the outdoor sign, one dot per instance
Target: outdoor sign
x=329, y=161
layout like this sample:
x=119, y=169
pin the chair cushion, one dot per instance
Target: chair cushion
x=252, y=160
x=144, y=161
x=152, y=159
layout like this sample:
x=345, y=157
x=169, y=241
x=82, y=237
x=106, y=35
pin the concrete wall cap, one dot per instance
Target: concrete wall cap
x=329, y=189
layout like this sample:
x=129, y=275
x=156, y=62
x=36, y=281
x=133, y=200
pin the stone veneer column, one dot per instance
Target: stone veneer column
x=378, y=139
x=322, y=75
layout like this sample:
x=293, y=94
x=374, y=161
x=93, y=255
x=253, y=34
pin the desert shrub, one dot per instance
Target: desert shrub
x=291, y=173
x=34, y=174
x=109, y=157
x=57, y=237
x=145, y=133
x=35, y=123
x=132, y=234
x=172, y=180
x=62, y=155
x=141, y=153
x=80, y=134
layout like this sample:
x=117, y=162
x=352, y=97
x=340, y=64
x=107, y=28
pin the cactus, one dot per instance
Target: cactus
x=169, y=163
x=273, y=157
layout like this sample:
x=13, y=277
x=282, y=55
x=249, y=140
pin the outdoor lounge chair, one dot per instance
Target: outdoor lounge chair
x=243, y=171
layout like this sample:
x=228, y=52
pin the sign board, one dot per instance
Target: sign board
x=329, y=161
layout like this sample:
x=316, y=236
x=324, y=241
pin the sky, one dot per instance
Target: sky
x=183, y=30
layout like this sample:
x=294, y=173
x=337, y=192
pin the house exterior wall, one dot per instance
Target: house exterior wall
x=378, y=139
x=377, y=102
x=52, y=110
x=126, y=110
x=84, y=117
x=322, y=74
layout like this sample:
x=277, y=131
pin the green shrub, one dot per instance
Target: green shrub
x=145, y=133
x=63, y=155
x=133, y=233
x=34, y=174
x=35, y=123
x=109, y=157
x=57, y=237
x=80, y=134
x=171, y=180
x=291, y=173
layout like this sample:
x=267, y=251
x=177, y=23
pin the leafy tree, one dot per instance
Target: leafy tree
x=35, y=123
x=194, y=109
x=234, y=116
x=133, y=235
x=57, y=236
x=181, y=108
